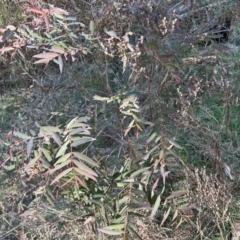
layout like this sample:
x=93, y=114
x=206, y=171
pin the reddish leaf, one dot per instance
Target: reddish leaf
x=157, y=183
x=88, y=220
x=164, y=175
x=84, y=168
x=46, y=55
x=61, y=175
x=180, y=222
x=47, y=23
x=28, y=213
x=82, y=172
x=175, y=215
x=2, y=30
x=60, y=10
x=57, y=49
x=11, y=27
x=45, y=60
x=6, y=49
x=39, y=20
x=35, y=10
x=68, y=181
x=59, y=166
x=82, y=182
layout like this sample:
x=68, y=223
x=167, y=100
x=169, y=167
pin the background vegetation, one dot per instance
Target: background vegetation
x=119, y=119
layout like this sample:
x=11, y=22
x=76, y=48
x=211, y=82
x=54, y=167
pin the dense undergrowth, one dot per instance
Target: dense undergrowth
x=119, y=121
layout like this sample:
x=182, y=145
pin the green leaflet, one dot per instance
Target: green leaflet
x=63, y=149
x=85, y=158
x=63, y=158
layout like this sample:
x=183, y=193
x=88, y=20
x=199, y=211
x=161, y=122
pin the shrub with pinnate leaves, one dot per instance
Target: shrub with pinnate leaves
x=154, y=81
